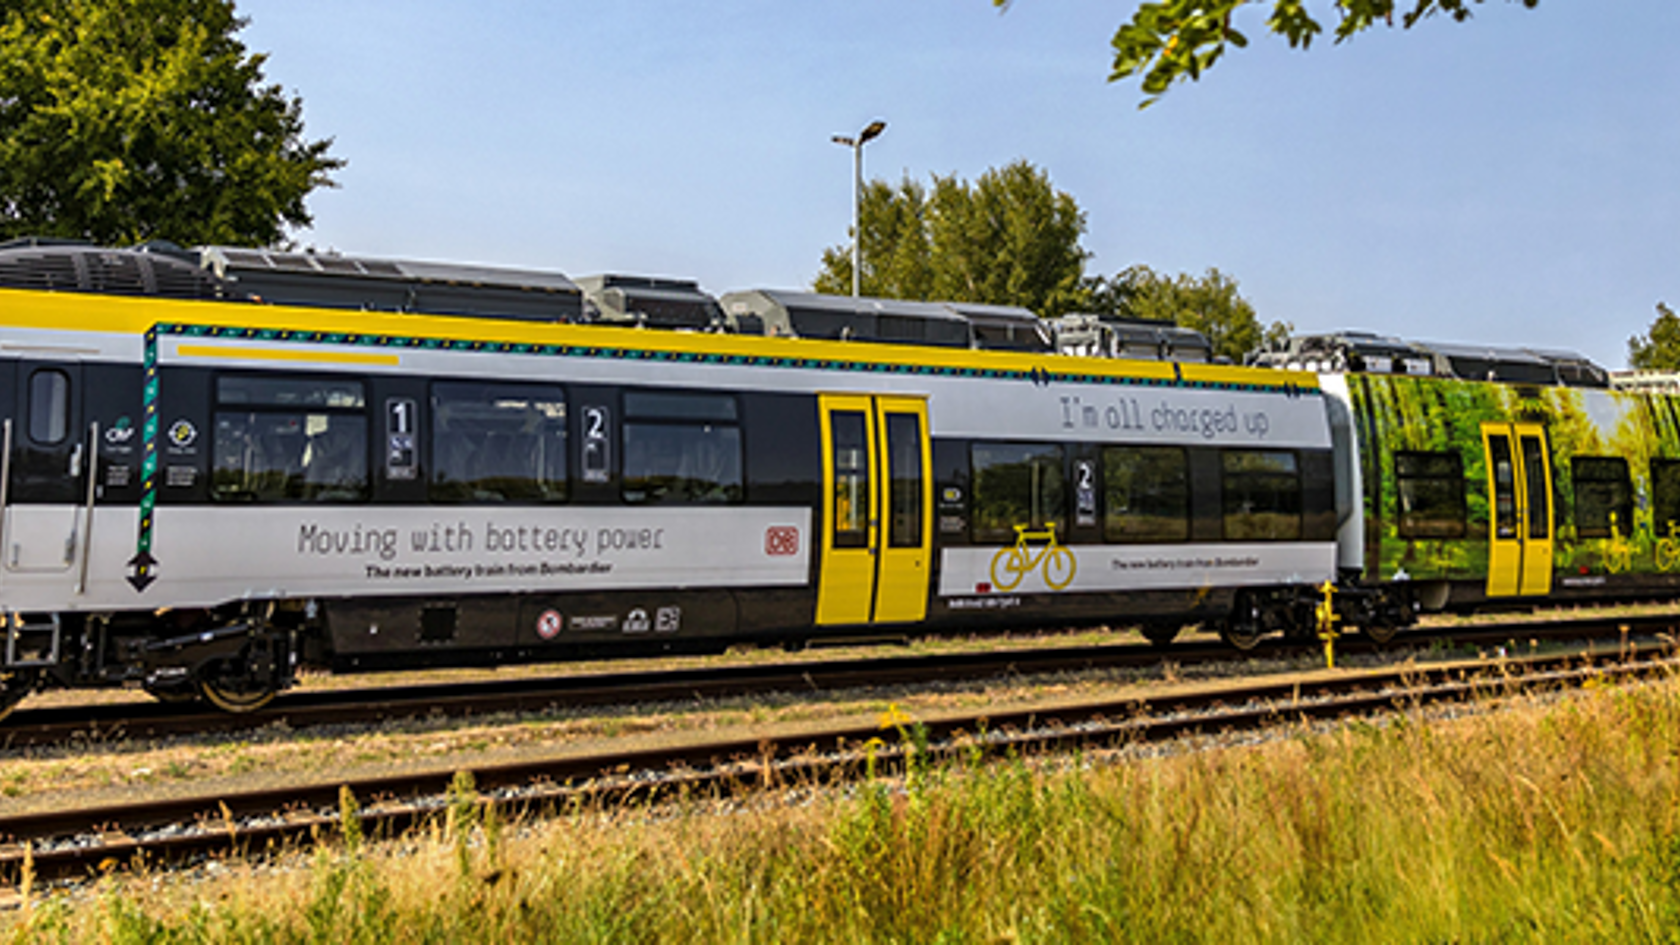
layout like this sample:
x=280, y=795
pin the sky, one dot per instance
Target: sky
x=1512, y=180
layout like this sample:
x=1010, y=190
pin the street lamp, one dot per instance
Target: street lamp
x=868, y=134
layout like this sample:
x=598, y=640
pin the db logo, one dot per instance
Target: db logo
x=781, y=540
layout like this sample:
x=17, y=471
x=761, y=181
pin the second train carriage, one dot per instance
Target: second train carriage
x=1498, y=476
x=199, y=495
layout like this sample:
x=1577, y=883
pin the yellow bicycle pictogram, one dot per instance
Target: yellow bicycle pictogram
x=1012, y=564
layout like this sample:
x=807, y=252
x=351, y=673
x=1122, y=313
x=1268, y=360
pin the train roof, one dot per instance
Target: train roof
x=848, y=318
x=1082, y=333
x=157, y=269
x=330, y=280
x=1370, y=353
x=402, y=286
x=649, y=302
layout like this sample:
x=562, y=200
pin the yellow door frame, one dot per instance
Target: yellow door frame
x=1521, y=513
x=875, y=567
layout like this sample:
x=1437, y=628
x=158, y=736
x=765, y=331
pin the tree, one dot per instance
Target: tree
x=128, y=120
x=1209, y=304
x=1658, y=349
x=897, y=255
x=1009, y=238
x=1168, y=41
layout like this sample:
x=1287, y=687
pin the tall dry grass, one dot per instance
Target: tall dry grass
x=1555, y=822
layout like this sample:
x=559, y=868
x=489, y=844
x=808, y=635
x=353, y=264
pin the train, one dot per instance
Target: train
x=220, y=466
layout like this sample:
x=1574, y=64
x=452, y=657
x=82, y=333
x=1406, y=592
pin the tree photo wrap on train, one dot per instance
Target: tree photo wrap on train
x=1134, y=414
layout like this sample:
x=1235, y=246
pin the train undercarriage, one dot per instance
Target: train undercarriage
x=237, y=658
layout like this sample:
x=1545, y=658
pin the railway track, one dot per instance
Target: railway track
x=371, y=705
x=80, y=842
x=111, y=722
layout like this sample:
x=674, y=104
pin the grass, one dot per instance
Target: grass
x=1553, y=820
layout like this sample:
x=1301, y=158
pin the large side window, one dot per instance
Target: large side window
x=681, y=449
x=498, y=443
x=284, y=438
x=1603, y=496
x=1262, y=495
x=1015, y=484
x=1429, y=488
x=1147, y=489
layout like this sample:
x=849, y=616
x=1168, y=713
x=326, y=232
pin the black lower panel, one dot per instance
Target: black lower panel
x=411, y=631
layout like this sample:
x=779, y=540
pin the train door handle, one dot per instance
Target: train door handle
x=76, y=461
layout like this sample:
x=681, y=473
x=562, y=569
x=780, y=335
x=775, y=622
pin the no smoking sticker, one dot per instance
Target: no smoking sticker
x=548, y=625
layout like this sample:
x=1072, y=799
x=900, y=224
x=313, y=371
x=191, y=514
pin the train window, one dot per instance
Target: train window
x=691, y=456
x=649, y=405
x=1539, y=488
x=1665, y=497
x=1015, y=484
x=681, y=464
x=1429, y=491
x=851, y=478
x=49, y=406
x=1603, y=496
x=1504, y=486
x=497, y=443
x=289, y=439
x=270, y=391
x=1147, y=492
x=904, y=471
x=1262, y=495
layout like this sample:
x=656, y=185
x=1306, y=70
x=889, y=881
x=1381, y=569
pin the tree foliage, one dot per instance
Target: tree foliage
x=1659, y=348
x=1167, y=41
x=1009, y=238
x=1210, y=304
x=128, y=120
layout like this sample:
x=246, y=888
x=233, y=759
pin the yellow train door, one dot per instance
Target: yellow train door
x=1522, y=520
x=877, y=550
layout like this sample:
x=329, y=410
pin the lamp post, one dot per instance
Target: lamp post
x=868, y=134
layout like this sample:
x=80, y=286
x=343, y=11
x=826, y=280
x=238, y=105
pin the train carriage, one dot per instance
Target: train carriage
x=200, y=494
x=1477, y=491
x=1498, y=477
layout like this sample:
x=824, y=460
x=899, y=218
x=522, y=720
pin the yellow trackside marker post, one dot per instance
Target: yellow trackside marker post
x=1327, y=618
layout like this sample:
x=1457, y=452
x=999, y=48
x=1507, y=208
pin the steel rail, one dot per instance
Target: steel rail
x=293, y=816
x=300, y=710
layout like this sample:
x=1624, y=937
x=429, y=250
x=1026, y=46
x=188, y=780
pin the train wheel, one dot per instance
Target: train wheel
x=1381, y=634
x=1245, y=627
x=1160, y=634
x=235, y=700
x=233, y=691
x=1241, y=636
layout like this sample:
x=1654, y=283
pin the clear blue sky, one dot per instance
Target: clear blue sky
x=1511, y=180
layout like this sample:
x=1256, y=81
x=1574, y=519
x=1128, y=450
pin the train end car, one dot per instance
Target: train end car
x=217, y=471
